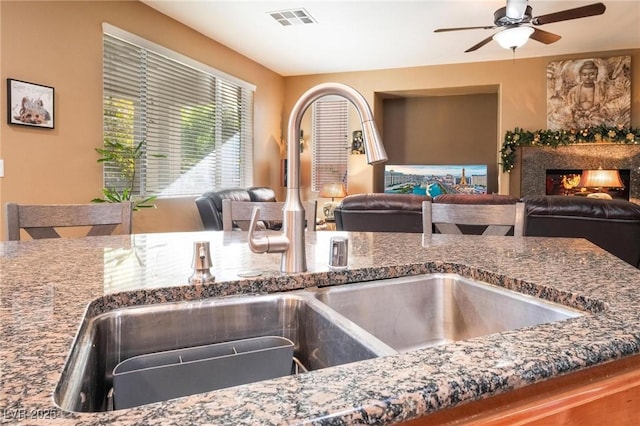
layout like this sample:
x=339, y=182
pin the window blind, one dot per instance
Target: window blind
x=197, y=127
x=330, y=141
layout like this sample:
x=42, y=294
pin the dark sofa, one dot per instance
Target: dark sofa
x=613, y=225
x=380, y=213
x=210, y=204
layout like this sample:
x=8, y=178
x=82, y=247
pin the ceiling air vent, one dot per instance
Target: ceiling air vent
x=292, y=17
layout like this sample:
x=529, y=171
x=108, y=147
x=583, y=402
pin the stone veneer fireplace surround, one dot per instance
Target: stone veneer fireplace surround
x=536, y=161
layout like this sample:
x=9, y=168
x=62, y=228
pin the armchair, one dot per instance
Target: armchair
x=210, y=203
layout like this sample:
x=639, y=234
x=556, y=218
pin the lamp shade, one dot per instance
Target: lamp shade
x=514, y=37
x=333, y=190
x=600, y=179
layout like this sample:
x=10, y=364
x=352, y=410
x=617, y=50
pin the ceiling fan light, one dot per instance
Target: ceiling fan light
x=513, y=38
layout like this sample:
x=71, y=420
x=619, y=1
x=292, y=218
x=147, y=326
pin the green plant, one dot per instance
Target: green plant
x=123, y=157
x=556, y=138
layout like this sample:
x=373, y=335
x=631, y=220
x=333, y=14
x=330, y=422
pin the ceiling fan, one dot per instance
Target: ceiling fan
x=514, y=17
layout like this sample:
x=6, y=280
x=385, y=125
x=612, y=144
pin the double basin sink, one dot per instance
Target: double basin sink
x=324, y=327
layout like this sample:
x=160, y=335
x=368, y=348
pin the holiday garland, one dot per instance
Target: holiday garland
x=555, y=138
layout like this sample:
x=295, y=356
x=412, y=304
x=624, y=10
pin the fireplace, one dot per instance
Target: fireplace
x=536, y=161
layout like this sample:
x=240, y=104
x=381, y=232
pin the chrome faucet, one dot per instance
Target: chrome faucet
x=291, y=242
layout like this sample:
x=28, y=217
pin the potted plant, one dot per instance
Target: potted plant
x=124, y=158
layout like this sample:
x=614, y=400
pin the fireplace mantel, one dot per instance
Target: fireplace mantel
x=537, y=159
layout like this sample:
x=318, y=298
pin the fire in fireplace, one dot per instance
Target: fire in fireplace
x=567, y=182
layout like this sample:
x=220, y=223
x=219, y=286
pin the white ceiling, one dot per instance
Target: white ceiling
x=365, y=35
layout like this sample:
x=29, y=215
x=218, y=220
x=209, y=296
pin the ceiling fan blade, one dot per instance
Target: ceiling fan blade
x=565, y=15
x=442, y=30
x=544, y=36
x=479, y=45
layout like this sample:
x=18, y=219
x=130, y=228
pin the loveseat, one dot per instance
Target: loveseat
x=210, y=204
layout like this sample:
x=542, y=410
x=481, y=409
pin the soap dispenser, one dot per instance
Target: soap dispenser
x=201, y=264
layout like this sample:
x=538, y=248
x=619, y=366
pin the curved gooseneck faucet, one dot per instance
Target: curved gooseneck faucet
x=291, y=243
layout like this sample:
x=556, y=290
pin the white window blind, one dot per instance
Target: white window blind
x=330, y=141
x=197, y=126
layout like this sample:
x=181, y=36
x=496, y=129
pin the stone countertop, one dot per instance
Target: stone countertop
x=46, y=286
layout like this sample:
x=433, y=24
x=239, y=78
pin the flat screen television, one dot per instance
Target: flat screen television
x=435, y=179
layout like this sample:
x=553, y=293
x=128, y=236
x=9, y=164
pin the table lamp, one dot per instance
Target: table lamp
x=333, y=191
x=600, y=180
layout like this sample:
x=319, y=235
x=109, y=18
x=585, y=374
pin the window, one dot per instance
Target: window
x=196, y=122
x=330, y=141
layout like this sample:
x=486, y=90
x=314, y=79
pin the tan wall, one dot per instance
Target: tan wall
x=59, y=44
x=521, y=92
x=427, y=130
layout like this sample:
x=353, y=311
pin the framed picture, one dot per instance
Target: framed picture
x=357, y=144
x=29, y=104
x=589, y=92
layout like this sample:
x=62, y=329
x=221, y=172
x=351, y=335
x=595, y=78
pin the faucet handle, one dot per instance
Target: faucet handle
x=265, y=243
x=256, y=244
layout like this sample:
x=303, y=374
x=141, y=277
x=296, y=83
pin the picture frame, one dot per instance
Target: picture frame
x=590, y=92
x=30, y=104
x=357, y=142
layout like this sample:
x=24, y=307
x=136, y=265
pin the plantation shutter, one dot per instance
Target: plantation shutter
x=196, y=123
x=330, y=141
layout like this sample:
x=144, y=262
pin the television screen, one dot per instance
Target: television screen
x=435, y=179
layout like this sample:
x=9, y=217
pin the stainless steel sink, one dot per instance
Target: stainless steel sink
x=426, y=310
x=328, y=326
x=321, y=339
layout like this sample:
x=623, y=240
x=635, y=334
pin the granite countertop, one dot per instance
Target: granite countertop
x=46, y=286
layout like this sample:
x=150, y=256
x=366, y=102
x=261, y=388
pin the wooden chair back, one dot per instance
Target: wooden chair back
x=498, y=218
x=40, y=221
x=240, y=211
